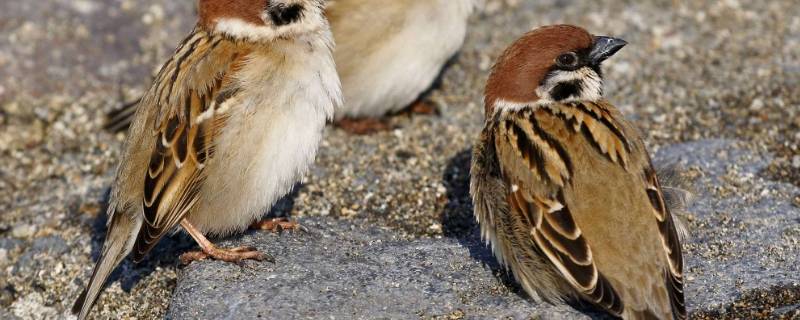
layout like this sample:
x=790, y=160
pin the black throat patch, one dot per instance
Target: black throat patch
x=282, y=15
x=567, y=89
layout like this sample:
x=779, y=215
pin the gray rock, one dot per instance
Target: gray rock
x=342, y=271
x=10, y=244
x=742, y=240
x=745, y=231
x=51, y=245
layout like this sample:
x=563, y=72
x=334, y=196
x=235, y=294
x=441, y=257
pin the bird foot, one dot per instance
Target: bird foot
x=363, y=126
x=277, y=225
x=423, y=107
x=235, y=255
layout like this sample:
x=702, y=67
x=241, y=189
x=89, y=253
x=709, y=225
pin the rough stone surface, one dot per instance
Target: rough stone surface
x=340, y=270
x=344, y=270
x=693, y=70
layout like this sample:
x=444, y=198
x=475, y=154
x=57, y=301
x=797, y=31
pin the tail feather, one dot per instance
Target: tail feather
x=119, y=243
x=119, y=120
x=678, y=197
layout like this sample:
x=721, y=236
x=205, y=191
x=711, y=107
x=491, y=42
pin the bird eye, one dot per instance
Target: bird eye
x=568, y=60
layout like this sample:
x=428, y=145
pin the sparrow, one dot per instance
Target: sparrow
x=388, y=53
x=231, y=122
x=563, y=187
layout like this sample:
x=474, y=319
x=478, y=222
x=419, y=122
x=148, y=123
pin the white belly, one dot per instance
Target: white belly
x=255, y=164
x=270, y=138
x=403, y=67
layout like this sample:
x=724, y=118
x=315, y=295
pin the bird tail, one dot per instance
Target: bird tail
x=118, y=244
x=118, y=120
x=642, y=315
x=678, y=196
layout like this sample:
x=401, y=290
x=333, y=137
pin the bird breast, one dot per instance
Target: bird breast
x=269, y=140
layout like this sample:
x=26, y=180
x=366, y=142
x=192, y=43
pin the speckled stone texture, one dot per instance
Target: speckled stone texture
x=340, y=270
x=693, y=70
x=344, y=270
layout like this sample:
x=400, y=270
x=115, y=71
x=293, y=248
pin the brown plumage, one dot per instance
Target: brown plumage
x=563, y=187
x=223, y=132
x=388, y=52
x=247, y=10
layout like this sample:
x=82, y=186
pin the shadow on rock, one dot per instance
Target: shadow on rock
x=458, y=221
x=129, y=273
x=168, y=249
x=283, y=208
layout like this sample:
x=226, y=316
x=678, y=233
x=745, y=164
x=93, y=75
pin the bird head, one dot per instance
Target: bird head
x=550, y=64
x=262, y=20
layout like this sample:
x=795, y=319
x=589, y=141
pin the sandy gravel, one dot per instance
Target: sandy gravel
x=693, y=70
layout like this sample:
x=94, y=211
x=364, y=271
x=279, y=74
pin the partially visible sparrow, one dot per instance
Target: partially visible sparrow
x=230, y=123
x=388, y=52
x=563, y=187
x=391, y=51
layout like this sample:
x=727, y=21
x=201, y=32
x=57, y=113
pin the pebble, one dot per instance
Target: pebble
x=23, y=231
x=757, y=104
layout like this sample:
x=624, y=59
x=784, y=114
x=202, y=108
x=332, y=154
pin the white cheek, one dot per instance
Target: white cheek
x=311, y=22
x=511, y=106
x=239, y=29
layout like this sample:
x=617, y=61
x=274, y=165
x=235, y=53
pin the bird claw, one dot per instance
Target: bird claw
x=363, y=126
x=234, y=255
x=424, y=107
x=277, y=225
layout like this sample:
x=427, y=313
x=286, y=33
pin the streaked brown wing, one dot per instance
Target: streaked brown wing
x=671, y=242
x=185, y=128
x=175, y=174
x=557, y=236
x=666, y=223
x=536, y=167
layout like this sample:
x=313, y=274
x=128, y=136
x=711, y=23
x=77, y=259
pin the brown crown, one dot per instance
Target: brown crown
x=523, y=66
x=246, y=10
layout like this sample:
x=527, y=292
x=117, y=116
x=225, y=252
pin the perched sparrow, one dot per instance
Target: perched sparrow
x=563, y=187
x=388, y=52
x=230, y=123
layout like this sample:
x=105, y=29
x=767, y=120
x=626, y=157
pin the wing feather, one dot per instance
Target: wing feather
x=553, y=230
x=537, y=171
x=670, y=240
x=184, y=133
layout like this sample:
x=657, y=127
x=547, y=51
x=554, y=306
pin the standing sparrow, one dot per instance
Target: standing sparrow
x=231, y=122
x=563, y=187
x=388, y=52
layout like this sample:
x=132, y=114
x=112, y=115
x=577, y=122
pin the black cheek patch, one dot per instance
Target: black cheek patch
x=598, y=70
x=282, y=15
x=565, y=90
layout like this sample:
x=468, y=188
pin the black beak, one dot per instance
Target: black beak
x=605, y=47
